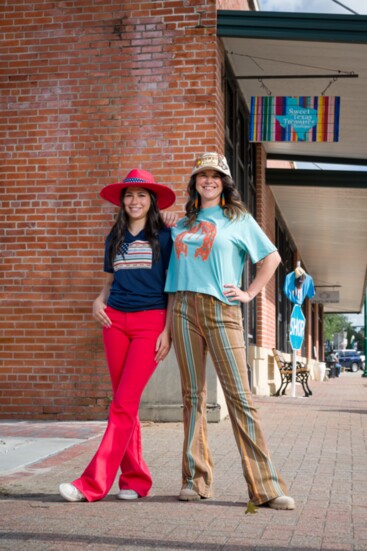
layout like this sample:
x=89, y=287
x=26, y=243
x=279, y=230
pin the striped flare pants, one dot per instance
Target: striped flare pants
x=202, y=323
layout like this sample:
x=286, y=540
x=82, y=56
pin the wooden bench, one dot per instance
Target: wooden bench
x=285, y=370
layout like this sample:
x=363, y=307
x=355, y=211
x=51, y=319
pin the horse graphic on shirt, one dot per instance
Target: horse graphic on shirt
x=205, y=231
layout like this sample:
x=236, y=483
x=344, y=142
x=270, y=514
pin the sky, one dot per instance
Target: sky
x=356, y=319
x=315, y=6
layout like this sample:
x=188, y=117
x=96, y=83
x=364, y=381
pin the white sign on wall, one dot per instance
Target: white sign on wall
x=326, y=297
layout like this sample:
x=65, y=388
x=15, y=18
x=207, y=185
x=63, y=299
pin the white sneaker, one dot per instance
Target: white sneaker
x=127, y=494
x=188, y=495
x=70, y=493
x=282, y=502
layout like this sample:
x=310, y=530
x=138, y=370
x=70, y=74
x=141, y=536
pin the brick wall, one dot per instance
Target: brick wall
x=89, y=91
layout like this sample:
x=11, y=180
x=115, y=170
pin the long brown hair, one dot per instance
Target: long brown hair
x=233, y=207
x=153, y=225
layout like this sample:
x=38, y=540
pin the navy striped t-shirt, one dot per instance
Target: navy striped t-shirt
x=138, y=282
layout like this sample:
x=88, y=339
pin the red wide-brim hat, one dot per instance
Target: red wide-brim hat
x=139, y=178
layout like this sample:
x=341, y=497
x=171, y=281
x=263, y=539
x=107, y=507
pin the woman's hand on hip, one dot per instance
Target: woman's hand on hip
x=162, y=346
x=235, y=293
x=99, y=313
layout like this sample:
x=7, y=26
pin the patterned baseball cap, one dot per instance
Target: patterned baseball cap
x=214, y=161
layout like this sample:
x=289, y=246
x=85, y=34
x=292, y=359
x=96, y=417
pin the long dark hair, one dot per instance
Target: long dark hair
x=233, y=207
x=153, y=225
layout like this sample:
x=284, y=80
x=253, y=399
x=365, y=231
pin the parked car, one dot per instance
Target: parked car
x=350, y=359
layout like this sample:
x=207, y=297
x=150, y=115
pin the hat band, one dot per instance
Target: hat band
x=135, y=180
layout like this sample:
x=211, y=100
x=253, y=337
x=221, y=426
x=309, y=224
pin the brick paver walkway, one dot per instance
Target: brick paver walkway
x=318, y=444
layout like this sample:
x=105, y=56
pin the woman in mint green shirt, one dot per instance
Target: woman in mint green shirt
x=211, y=245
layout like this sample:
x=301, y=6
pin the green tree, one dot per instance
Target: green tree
x=335, y=323
x=355, y=338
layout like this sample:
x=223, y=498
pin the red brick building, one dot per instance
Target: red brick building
x=89, y=91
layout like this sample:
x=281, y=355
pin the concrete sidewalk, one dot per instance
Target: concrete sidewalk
x=318, y=444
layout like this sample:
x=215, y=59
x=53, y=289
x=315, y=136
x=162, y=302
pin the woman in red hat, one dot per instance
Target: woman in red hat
x=132, y=310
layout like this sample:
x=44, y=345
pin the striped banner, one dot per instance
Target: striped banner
x=294, y=118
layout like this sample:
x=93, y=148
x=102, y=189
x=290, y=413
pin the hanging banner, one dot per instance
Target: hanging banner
x=294, y=118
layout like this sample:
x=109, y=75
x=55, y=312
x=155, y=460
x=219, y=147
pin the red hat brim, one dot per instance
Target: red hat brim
x=165, y=195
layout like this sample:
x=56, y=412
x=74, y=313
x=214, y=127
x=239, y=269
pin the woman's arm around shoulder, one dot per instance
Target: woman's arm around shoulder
x=169, y=218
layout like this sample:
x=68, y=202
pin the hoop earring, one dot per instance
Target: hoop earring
x=222, y=200
x=196, y=203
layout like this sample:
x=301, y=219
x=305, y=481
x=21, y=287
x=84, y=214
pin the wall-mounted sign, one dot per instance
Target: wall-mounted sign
x=326, y=297
x=294, y=119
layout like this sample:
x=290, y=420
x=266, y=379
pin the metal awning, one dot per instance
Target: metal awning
x=326, y=217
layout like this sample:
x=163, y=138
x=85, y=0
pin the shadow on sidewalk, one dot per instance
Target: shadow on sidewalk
x=351, y=410
x=132, y=542
x=55, y=498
